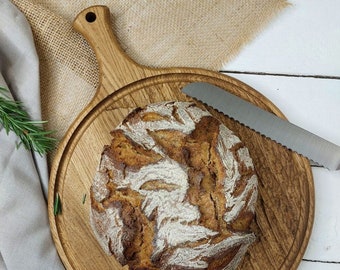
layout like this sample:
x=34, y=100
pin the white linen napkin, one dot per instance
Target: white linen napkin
x=25, y=239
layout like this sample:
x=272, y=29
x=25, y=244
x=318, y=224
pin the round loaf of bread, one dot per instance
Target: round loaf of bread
x=176, y=189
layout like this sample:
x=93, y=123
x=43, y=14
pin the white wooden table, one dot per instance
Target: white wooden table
x=295, y=62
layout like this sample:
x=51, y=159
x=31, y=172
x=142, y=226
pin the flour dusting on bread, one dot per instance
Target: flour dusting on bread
x=176, y=189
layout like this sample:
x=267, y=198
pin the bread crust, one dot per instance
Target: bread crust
x=176, y=189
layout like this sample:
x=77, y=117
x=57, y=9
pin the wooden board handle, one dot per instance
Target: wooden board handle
x=115, y=67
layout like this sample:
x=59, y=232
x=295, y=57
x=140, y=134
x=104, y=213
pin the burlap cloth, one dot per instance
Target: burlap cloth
x=203, y=34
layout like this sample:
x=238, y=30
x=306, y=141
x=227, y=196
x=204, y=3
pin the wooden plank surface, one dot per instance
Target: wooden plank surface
x=302, y=40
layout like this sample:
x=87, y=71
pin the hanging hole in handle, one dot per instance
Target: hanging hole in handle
x=90, y=17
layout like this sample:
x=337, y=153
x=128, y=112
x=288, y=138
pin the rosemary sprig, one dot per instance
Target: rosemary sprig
x=13, y=117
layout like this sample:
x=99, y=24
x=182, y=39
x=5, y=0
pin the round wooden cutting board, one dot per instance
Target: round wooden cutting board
x=285, y=207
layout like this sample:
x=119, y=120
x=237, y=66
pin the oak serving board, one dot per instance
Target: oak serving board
x=285, y=208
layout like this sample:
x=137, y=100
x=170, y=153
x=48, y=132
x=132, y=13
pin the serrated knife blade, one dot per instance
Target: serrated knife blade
x=313, y=147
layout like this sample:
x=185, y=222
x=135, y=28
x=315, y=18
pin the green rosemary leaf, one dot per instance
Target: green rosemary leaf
x=84, y=198
x=57, y=205
x=13, y=117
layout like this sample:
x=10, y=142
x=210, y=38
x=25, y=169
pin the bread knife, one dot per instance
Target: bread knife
x=315, y=148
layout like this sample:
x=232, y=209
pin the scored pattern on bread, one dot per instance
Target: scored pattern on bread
x=176, y=189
